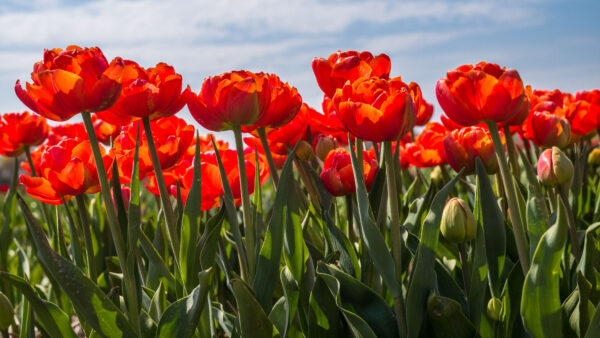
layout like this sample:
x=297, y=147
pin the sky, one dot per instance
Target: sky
x=552, y=43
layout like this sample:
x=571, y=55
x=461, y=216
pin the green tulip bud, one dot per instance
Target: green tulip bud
x=458, y=224
x=494, y=307
x=594, y=157
x=6, y=312
x=304, y=151
x=437, y=178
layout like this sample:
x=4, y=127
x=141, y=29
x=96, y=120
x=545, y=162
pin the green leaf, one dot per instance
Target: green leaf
x=493, y=227
x=253, y=320
x=423, y=272
x=478, y=265
x=207, y=245
x=52, y=319
x=374, y=242
x=267, y=267
x=364, y=302
x=181, y=318
x=324, y=318
x=156, y=260
x=540, y=302
x=92, y=305
x=190, y=225
x=447, y=319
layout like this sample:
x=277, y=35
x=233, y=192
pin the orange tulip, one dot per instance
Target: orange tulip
x=105, y=131
x=153, y=93
x=338, y=176
x=279, y=151
x=463, y=146
x=66, y=169
x=333, y=72
x=374, y=109
x=172, y=136
x=21, y=130
x=71, y=81
x=233, y=99
x=285, y=103
x=545, y=128
x=428, y=148
x=423, y=109
x=485, y=92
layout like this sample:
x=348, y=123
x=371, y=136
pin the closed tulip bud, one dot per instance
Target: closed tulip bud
x=323, y=144
x=6, y=312
x=594, y=157
x=304, y=152
x=458, y=223
x=494, y=307
x=436, y=176
x=554, y=168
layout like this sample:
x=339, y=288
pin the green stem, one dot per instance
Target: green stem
x=464, y=262
x=511, y=196
x=512, y=154
x=111, y=215
x=265, y=144
x=87, y=237
x=395, y=235
x=249, y=229
x=562, y=192
x=162, y=189
x=349, y=219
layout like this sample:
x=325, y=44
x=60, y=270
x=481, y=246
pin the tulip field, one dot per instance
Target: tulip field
x=359, y=218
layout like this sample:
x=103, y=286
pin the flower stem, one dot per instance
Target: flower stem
x=162, y=189
x=395, y=236
x=562, y=192
x=349, y=219
x=87, y=237
x=512, y=154
x=464, y=262
x=265, y=144
x=111, y=215
x=249, y=229
x=511, y=196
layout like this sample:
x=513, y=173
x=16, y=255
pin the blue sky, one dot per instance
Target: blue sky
x=553, y=44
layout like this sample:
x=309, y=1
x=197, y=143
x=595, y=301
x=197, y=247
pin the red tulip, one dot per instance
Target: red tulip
x=332, y=73
x=545, y=128
x=463, y=146
x=234, y=99
x=279, y=151
x=428, y=148
x=153, y=93
x=285, y=103
x=294, y=130
x=21, y=130
x=328, y=123
x=485, y=92
x=71, y=81
x=374, y=109
x=554, y=168
x=423, y=110
x=337, y=174
x=172, y=136
x=66, y=169
x=105, y=131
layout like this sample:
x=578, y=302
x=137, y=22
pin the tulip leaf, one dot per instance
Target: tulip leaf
x=423, y=273
x=52, y=319
x=156, y=260
x=90, y=302
x=253, y=320
x=374, y=241
x=267, y=267
x=207, y=245
x=284, y=310
x=324, y=318
x=511, y=302
x=540, y=302
x=492, y=223
x=190, y=224
x=446, y=318
x=478, y=264
x=181, y=318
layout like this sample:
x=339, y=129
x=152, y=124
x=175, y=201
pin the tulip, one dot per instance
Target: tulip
x=19, y=131
x=546, y=129
x=485, y=92
x=328, y=123
x=234, y=99
x=458, y=224
x=494, y=308
x=153, y=93
x=173, y=135
x=333, y=72
x=304, y=151
x=71, y=81
x=105, y=131
x=428, y=148
x=594, y=157
x=554, y=168
x=374, y=109
x=323, y=144
x=463, y=146
x=338, y=176
x=67, y=169
x=423, y=110
x=279, y=151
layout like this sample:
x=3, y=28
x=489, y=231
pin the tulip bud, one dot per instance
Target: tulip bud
x=6, y=312
x=458, y=223
x=323, y=144
x=304, y=151
x=554, y=168
x=437, y=177
x=594, y=157
x=494, y=307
